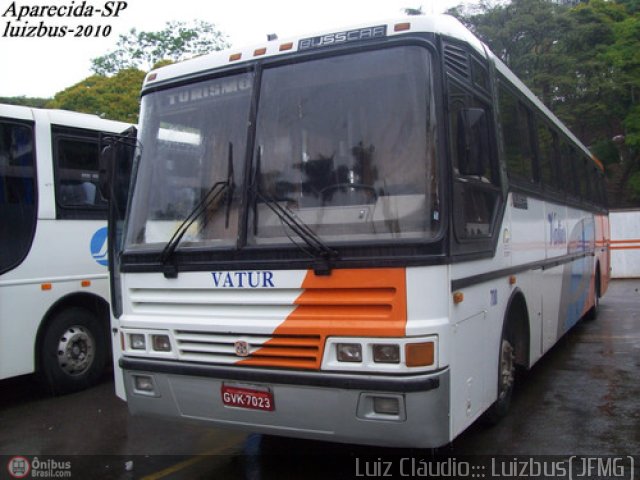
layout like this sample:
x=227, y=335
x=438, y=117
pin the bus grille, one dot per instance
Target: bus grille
x=299, y=351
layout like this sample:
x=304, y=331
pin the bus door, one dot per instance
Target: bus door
x=116, y=164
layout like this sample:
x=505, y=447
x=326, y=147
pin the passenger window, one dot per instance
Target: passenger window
x=476, y=192
x=515, y=123
x=548, y=156
x=18, y=204
x=580, y=169
x=76, y=163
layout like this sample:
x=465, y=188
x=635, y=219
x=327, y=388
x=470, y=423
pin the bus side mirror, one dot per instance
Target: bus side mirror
x=473, y=142
x=105, y=167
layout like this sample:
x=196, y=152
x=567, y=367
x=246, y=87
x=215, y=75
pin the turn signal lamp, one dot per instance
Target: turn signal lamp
x=458, y=297
x=419, y=354
x=402, y=27
x=349, y=352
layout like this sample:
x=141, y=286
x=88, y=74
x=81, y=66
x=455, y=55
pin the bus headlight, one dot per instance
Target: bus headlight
x=137, y=341
x=161, y=343
x=386, y=353
x=349, y=352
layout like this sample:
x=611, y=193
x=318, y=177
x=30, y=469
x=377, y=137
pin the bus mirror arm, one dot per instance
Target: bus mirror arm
x=116, y=155
x=105, y=168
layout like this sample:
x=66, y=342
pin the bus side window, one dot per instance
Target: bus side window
x=548, y=156
x=76, y=166
x=515, y=122
x=17, y=193
x=475, y=192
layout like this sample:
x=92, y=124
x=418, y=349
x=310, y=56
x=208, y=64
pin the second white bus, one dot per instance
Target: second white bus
x=54, y=312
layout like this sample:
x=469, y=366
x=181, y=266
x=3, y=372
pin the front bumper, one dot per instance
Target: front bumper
x=313, y=405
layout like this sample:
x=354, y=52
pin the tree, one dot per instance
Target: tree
x=25, y=101
x=176, y=42
x=414, y=11
x=115, y=97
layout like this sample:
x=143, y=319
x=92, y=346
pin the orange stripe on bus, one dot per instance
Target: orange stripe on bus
x=349, y=303
x=629, y=240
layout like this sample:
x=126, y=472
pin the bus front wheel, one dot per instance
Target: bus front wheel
x=73, y=353
x=506, y=380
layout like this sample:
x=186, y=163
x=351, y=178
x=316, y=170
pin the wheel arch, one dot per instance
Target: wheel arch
x=89, y=301
x=516, y=322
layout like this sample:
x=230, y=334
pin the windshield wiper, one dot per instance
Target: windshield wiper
x=170, y=269
x=318, y=250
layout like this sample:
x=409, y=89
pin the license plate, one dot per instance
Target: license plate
x=247, y=398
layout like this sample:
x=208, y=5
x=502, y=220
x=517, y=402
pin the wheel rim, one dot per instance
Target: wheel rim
x=76, y=350
x=507, y=368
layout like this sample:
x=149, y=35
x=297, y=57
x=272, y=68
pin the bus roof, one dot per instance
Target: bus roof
x=439, y=24
x=64, y=118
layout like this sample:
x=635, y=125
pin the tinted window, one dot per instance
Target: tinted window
x=77, y=172
x=515, y=122
x=580, y=163
x=349, y=147
x=17, y=193
x=479, y=74
x=475, y=177
x=548, y=156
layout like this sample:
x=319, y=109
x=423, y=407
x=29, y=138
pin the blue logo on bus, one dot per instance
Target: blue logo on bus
x=99, y=247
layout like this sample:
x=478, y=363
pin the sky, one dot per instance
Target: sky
x=41, y=67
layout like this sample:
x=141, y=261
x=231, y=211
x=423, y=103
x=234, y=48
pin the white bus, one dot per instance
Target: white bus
x=54, y=313
x=354, y=236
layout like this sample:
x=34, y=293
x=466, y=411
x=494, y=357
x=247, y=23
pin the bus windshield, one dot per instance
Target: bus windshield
x=346, y=144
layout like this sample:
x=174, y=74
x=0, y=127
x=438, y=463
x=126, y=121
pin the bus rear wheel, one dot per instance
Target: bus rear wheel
x=592, y=314
x=73, y=352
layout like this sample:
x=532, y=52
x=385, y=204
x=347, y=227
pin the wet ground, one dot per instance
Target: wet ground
x=582, y=398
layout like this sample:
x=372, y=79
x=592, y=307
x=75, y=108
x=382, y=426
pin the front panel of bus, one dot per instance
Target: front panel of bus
x=284, y=218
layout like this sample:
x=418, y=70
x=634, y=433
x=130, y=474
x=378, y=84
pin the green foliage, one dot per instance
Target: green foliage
x=634, y=186
x=177, y=41
x=606, y=151
x=25, y=101
x=115, y=97
x=414, y=11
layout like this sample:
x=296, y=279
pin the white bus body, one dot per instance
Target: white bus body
x=445, y=247
x=53, y=266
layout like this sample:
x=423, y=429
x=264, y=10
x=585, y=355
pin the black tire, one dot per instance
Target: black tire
x=506, y=380
x=592, y=314
x=73, y=351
